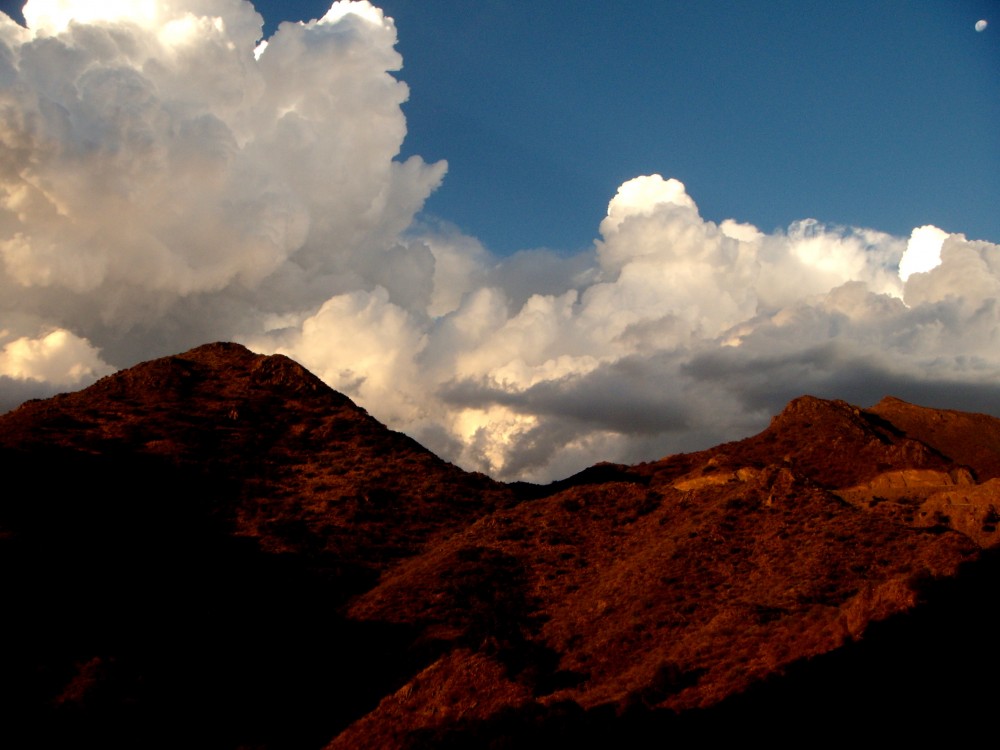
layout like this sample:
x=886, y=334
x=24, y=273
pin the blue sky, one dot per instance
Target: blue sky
x=879, y=114
x=874, y=114
x=863, y=113
x=562, y=232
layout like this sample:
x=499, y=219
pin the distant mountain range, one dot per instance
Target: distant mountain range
x=217, y=550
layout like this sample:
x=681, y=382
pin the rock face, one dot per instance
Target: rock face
x=217, y=546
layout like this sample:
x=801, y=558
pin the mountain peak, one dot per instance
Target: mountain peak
x=219, y=350
x=891, y=402
x=220, y=524
x=216, y=364
x=806, y=408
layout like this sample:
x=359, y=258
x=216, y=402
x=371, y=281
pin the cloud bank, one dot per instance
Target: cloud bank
x=166, y=180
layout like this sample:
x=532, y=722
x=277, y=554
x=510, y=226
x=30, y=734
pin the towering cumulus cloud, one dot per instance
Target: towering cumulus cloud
x=167, y=179
x=161, y=184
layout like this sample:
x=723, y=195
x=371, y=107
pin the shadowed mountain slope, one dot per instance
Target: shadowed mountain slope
x=315, y=473
x=216, y=545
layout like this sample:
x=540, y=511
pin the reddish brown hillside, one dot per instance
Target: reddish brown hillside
x=623, y=594
x=315, y=471
x=970, y=439
x=831, y=443
x=668, y=586
x=215, y=549
x=179, y=543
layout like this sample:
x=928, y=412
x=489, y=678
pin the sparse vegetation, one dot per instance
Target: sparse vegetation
x=304, y=576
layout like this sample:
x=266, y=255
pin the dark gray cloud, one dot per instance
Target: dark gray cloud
x=15, y=391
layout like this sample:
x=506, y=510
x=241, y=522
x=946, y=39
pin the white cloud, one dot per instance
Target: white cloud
x=58, y=357
x=363, y=345
x=687, y=334
x=923, y=251
x=966, y=274
x=166, y=181
x=52, y=17
x=151, y=162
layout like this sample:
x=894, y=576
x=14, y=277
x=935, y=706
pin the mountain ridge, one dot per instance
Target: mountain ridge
x=357, y=586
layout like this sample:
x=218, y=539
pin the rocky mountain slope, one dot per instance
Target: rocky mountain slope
x=215, y=549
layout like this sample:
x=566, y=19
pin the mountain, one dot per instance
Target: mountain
x=217, y=550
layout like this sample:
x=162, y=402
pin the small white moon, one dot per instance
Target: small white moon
x=981, y=24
